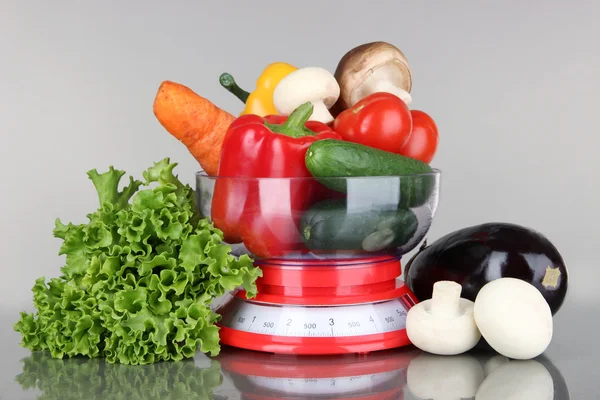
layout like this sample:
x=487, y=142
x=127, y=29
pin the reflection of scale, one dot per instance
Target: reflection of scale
x=321, y=307
x=380, y=375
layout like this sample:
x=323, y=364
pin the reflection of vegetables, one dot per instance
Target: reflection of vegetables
x=370, y=68
x=444, y=377
x=476, y=255
x=518, y=379
x=309, y=84
x=444, y=324
x=89, y=379
x=493, y=363
x=336, y=158
x=380, y=120
x=139, y=277
x=514, y=318
x=423, y=141
x=193, y=120
x=330, y=225
x=272, y=147
x=260, y=101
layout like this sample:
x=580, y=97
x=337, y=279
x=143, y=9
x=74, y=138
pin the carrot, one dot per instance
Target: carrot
x=193, y=120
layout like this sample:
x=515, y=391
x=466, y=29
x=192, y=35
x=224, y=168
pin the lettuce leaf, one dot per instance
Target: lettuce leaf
x=139, y=276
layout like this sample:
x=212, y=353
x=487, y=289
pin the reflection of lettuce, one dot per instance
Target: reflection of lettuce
x=89, y=379
x=139, y=276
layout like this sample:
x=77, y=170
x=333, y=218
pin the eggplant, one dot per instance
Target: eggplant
x=476, y=255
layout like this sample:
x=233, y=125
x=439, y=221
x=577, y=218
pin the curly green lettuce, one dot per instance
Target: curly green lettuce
x=139, y=276
x=80, y=378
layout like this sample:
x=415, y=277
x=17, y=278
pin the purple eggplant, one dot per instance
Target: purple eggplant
x=476, y=255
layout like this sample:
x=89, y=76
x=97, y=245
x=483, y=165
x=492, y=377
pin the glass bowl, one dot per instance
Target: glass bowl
x=324, y=218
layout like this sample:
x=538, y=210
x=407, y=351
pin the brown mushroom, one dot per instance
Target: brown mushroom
x=369, y=68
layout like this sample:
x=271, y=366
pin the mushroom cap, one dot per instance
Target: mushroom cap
x=361, y=62
x=440, y=335
x=514, y=318
x=312, y=84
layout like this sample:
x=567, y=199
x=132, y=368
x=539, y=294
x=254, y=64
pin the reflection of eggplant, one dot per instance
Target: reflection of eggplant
x=561, y=390
x=476, y=255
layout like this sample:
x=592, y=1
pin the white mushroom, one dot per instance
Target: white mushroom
x=309, y=84
x=370, y=68
x=444, y=378
x=443, y=324
x=514, y=318
x=517, y=380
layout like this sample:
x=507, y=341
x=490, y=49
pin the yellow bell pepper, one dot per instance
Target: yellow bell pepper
x=260, y=101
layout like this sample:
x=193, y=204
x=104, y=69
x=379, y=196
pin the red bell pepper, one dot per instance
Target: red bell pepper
x=381, y=120
x=264, y=214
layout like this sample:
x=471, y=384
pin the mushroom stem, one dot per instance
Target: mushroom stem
x=321, y=112
x=383, y=85
x=445, y=300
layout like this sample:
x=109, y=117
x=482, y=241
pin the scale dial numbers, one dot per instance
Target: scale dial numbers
x=316, y=321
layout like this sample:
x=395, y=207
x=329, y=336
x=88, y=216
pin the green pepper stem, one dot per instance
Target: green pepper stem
x=226, y=80
x=294, y=124
x=298, y=117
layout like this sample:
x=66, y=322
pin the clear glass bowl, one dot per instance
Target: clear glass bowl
x=324, y=218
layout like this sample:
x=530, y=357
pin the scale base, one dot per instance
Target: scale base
x=363, y=311
x=311, y=345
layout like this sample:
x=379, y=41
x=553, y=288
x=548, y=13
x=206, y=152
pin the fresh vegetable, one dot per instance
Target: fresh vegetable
x=435, y=377
x=139, y=276
x=423, y=141
x=476, y=255
x=519, y=379
x=331, y=225
x=444, y=324
x=270, y=147
x=514, y=318
x=309, y=84
x=196, y=122
x=380, y=120
x=371, y=68
x=94, y=379
x=260, y=101
x=335, y=158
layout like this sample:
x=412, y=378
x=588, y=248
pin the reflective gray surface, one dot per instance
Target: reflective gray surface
x=568, y=370
x=513, y=86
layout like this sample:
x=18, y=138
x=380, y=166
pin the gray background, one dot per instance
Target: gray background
x=512, y=85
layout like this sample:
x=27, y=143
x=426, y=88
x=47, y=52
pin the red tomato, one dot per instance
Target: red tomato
x=423, y=141
x=380, y=120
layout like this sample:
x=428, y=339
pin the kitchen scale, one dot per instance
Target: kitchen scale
x=320, y=307
x=338, y=300
x=260, y=376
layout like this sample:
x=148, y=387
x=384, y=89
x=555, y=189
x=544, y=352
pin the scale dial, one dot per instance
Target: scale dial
x=315, y=321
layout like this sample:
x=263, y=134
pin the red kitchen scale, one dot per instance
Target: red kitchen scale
x=320, y=307
x=344, y=295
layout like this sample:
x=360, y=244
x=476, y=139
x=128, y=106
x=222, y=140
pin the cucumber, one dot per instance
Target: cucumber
x=330, y=160
x=329, y=225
